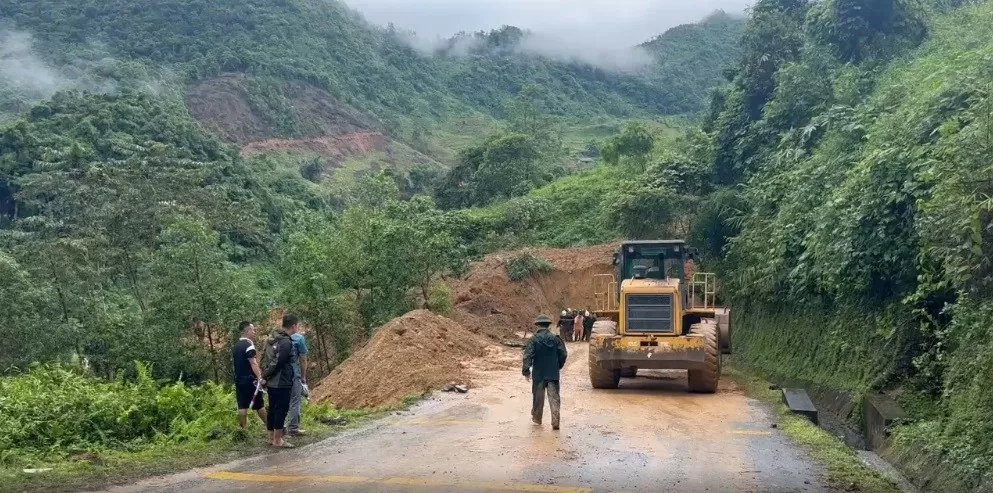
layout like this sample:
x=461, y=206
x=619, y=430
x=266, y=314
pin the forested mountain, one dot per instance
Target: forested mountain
x=692, y=58
x=323, y=43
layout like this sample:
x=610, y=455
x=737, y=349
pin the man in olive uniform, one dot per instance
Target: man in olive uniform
x=544, y=357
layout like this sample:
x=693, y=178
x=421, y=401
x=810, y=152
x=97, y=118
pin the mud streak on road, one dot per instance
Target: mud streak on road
x=649, y=435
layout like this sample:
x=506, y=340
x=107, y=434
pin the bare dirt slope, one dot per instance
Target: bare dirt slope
x=222, y=105
x=487, y=302
x=335, y=148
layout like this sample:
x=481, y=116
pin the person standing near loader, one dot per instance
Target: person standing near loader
x=247, y=375
x=588, y=320
x=277, y=370
x=566, y=323
x=544, y=357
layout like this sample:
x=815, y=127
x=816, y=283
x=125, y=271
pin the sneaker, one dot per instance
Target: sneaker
x=555, y=427
x=286, y=444
x=298, y=433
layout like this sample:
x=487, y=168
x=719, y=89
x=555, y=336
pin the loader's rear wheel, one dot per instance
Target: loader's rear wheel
x=629, y=372
x=705, y=381
x=603, y=378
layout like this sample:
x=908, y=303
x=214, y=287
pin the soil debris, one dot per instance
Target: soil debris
x=487, y=302
x=413, y=354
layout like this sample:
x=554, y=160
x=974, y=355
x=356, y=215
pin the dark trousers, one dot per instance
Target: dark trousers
x=279, y=407
x=538, y=391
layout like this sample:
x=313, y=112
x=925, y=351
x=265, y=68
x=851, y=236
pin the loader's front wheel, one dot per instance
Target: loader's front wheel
x=705, y=381
x=603, y=378
x=629, y=372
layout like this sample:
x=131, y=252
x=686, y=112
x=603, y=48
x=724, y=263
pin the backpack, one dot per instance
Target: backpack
x=269, y=359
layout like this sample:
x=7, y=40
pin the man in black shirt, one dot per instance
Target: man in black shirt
x=247, y=375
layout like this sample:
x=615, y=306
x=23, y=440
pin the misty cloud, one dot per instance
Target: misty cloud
x=627, y=59
x=23, y=72
x=27, y=78
x=598, y=25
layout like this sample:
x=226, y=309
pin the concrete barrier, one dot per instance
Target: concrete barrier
x=799, y=402
x=879, y=414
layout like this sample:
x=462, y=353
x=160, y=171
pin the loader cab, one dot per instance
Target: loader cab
x=652, y=259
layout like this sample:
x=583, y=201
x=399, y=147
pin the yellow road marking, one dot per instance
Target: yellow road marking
x=751, y=432
x=267, y=478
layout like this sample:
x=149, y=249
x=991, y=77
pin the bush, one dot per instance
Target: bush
x=440, y=299
x=50, y=413
x=526, y=265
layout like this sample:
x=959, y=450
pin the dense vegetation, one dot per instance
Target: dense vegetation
x=76, y=430
x=864, y=206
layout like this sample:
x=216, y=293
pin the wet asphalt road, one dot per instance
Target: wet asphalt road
x=650, y=435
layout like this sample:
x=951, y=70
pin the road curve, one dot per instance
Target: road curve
x=650, y=435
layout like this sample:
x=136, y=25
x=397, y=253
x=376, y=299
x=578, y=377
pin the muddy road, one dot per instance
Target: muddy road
x=649, y=435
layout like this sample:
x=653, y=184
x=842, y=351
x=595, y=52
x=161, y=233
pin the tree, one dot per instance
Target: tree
x=635, y=143
x=22, y=320
x=426, y=242
x=312, y=285
x=199, y=297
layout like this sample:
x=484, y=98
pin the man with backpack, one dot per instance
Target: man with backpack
x=277, y=370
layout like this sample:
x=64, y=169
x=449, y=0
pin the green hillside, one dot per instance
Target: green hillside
x=322, y=43
x=691, y=59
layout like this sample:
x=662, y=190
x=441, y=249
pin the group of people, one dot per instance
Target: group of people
x=575, y=325
x=282, y=374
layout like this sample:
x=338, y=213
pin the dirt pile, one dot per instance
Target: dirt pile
x=487, y=302
x=411, y=355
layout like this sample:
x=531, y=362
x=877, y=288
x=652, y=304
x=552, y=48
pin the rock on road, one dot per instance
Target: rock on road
x=649, y=435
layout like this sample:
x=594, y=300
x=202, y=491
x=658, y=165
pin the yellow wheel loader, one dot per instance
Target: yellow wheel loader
x=657, y=317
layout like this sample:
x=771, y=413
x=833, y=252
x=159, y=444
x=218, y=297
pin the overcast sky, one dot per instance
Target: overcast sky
x=612, y=23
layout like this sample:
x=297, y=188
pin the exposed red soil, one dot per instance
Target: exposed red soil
x=409, y=356
x=336, y=149
x=487, y=302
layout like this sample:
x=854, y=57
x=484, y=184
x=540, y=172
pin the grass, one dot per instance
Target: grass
x=844, y=469
x=119, y=467
x=526, y=265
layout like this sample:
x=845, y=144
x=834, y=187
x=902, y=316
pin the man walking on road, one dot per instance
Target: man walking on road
x=277, y=370
x=247, y=375
x=544, y=357
x=300, y=388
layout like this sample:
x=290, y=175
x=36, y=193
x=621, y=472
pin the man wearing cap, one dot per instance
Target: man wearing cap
x=544, y=357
